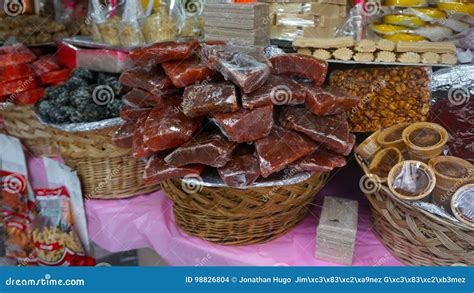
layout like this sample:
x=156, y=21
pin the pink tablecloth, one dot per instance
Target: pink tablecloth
x=147, y=221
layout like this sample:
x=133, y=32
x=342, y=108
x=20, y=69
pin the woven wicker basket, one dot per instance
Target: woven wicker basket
x=105, y=171
x=21, y=122
x=414, y=235
x=233, y=216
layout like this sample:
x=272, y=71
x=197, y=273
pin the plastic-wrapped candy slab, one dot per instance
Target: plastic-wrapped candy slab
x=329, y=102
x=14, y=72
x=242, y=170
x=206, y=99
x=331, y=131
x=280, y=148
x=16, y=54
x=28, y=97
x=187, y=72
x=123, y=137
x=246, y=125
x=54, y=77
x=140, y=149
x=167, y=127
x=237, y=66
x=153, y=80
x=163, y=52
x=321, y=160
x=45, y=63
x=157, y=170
x=132, y=114
x=138, y=98
x=278, y=90
x=17, y=86
x=300, y=65
x=208, y=148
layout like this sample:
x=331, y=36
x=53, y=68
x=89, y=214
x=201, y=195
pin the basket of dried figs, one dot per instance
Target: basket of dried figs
x=240, y=140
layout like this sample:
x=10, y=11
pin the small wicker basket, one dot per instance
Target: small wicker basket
x=21, y=122
x=231, y=216
x=105, y=171
x=414, y=235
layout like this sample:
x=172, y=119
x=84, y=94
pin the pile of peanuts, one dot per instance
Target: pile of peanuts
x=388, y=95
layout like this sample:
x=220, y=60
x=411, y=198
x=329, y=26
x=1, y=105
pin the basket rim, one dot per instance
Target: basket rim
x=457, y=225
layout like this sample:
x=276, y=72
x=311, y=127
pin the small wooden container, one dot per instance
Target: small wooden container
x=369, y=147
x=424, y=140
x=451, y=173
x=411, y=180
x=462, y=204
x=383, y=162
x=392, y=136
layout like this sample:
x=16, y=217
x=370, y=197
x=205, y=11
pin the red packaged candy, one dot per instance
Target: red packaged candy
x=246, y=125
x=138, y=98
x=152, y=80
x=167, y=127
x=277, y=90
x=13, y=72
x=205, y=99
x=16, y=54
x=207, y=148
x=132, y=114
x=329, y=102
x=28, y=97
x=280, y=148
x=54, y=76
x=242, y=170
x=17, y=86
x=331, y=131
x=123, y=137
x=300, y=65
x=187, y=72
x=46, y=63
x=163, y=52
x=321, y=160
x=140, y=149
x=157, y=170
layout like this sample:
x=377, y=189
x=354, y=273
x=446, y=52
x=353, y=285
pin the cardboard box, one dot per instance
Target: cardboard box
x=286, y=8
x=329, y=10
x=292, y=19
x=319, y=32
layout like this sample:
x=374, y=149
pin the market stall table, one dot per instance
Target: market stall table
x=147, y=221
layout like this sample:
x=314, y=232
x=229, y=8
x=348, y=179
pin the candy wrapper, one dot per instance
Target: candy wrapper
x=59, y=230
x=17, y=199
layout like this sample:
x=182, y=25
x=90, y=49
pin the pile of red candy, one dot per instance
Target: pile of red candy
x=225, y=106
x=23, y=75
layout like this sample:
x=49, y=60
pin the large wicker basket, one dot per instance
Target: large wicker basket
x=105, y=171
x=414, y=235
x=233, y=216
x=21, y=122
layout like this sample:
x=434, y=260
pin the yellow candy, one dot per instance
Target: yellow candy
x=404, y=20
x=432, y=12
x=404, y=37
x=388, y=29
x=405, y=3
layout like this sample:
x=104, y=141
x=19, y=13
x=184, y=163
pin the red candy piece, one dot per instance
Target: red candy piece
x=331, y=131
x=13, y=72
x=29, y=97
x=277, y=90
x=123, y=137
x=329, y=102
x=138, y=98
x=54, y=76
x=46, y=63
x=237, y=66
x=300, y=65
x=280, y=148
x=17, y=86
x=205, y=99
x=16, y=54
x=167, y=127
x=132, y=114
x=320, y=161
x=211, y=149
x=187, y=72
x=246, y=125
x=242, y=170
x=157, y=170
x=140, y=150
x=163, y=52
x=151, y=80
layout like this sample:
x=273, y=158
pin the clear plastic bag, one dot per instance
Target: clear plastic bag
x=462, y=204
x=411, y=180
x=129, y=28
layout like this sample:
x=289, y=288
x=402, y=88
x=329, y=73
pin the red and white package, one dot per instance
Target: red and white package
x=16, y=198
x=59, y=229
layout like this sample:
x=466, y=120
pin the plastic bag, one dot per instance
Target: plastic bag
x=411, y=180
x=129, y=28
x=462, y=204
x=59, y=230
